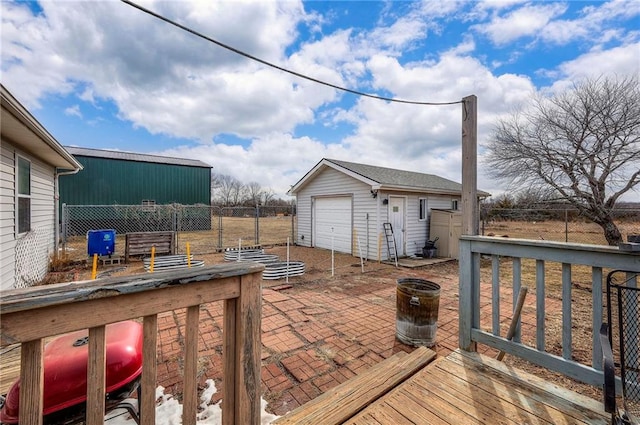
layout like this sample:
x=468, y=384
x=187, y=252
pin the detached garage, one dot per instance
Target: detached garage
x=344, y=205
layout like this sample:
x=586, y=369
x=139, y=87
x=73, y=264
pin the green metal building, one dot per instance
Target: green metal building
x=125, y=178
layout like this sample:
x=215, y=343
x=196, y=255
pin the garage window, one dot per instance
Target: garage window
x=423, y=209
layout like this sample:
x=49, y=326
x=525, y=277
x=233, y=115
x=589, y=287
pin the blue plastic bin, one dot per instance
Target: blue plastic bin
x=101, y=242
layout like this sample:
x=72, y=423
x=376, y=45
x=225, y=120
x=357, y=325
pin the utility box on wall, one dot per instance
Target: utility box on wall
x=446, y=225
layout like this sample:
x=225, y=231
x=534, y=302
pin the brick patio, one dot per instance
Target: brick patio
x=316, y=334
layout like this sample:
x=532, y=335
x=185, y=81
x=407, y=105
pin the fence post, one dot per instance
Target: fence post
x=566, y=225
x=293, y=226
x=63, y=218
x=220, y=228
x=174, y=213
x=257, y=225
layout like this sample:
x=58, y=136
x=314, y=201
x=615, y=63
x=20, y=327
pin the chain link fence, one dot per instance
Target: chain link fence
x=205, y=228
x=555, y=224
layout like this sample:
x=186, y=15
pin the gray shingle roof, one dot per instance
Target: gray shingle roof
x=400, y=178
x=131, y=156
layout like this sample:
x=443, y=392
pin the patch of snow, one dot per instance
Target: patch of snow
x=169, y=410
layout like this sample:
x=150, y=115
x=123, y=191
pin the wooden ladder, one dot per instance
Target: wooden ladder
x=391, y=242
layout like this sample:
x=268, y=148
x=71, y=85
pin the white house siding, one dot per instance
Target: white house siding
x=43, y=204
x=7, y=216
x=35, y=247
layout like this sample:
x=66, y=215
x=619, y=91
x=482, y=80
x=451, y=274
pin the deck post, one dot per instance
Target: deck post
x=467, y=275
x=149, y=370
x=470, y=165
x=242, y=354
x=32, y=382
x=466, y=301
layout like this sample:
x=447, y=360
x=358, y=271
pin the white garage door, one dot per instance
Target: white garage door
x=332, y=222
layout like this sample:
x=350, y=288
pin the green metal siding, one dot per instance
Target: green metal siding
x=111, y=181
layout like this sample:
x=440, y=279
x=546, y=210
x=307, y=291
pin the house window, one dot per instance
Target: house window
x=423, y=209
x=24, y=195
x=454, y=204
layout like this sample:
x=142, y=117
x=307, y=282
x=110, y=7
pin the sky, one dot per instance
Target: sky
x=103, y=74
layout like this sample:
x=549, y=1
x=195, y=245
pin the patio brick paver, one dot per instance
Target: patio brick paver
x=282, y=340
x=305, y=365
x=316, y=336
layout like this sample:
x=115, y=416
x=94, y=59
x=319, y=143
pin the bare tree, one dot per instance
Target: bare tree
x=579, y=146
x=254, y=193
x=227, y=190
x=268, y=196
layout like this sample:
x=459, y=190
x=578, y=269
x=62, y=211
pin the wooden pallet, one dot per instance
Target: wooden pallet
x=140, y=243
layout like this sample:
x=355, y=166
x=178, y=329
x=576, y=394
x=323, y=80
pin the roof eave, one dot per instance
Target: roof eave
x=61, y=158
x=325, y=163
x=414, y=189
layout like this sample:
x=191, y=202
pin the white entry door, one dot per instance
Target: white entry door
x=397, y=220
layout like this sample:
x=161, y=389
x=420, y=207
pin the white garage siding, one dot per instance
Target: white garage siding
x=332, y=184
x=332, y=223
x=417, y=232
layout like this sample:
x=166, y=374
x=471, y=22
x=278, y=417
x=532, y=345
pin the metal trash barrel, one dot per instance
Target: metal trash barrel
x=417, y=302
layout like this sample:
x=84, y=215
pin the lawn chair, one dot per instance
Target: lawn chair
x=623, y=299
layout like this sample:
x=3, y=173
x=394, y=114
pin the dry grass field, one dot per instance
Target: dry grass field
x=229, y=232
x=577, y=232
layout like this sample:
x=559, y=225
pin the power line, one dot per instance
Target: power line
x=279, y=68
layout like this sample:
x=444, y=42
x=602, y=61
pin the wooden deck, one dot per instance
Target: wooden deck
x=461, y=388
x=9, y=366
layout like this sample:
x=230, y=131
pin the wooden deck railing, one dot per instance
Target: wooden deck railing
x=27, y=316
x=598, y=258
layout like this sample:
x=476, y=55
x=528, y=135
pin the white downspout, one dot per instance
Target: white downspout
x=56, y=219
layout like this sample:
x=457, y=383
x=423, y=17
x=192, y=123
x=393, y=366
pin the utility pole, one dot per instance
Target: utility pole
x=470, y=165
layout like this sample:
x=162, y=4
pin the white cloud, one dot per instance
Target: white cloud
x=277, y=161
x=525, y=21
x=593, y=24
x=623, y=60
x=160, y=77
x=73, y=111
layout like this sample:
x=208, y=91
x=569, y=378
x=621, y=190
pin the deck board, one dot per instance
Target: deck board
x=9, y=367
x=467, y=388
x=378, y=415
x=498, y=399
x=454, y=391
